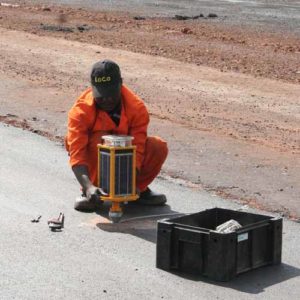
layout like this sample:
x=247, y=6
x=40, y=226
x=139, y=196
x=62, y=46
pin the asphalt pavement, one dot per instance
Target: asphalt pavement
x=92, y=258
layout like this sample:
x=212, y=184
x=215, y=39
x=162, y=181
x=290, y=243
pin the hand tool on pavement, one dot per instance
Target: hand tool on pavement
x=57, y=223
x=36, y=220
x=117, y=172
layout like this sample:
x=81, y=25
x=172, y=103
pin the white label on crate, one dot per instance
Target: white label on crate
x=242, y=237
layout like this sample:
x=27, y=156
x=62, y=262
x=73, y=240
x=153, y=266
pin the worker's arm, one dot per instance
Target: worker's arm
x=82, y=174
x=81, y=118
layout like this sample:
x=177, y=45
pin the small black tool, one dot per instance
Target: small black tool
x=36, y=220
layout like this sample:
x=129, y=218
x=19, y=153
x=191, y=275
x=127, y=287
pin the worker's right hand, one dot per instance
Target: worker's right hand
x=93, y=193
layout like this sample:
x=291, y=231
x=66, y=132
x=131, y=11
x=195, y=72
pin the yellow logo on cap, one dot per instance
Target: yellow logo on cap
x=102, y=79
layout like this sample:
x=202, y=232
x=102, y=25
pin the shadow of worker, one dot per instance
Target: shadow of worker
x=137, y=220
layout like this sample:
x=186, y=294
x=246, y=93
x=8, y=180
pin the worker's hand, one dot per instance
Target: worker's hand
x=93, y=193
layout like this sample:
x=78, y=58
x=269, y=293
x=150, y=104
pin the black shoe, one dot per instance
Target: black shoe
x=150, y=198
x=83, y=205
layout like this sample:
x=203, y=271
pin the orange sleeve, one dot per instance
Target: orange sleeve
x=138, y=130
x=79, y=120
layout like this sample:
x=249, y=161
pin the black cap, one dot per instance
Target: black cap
x=105, y=79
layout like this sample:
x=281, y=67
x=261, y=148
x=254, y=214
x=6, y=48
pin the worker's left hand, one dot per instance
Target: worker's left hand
x=93, y=193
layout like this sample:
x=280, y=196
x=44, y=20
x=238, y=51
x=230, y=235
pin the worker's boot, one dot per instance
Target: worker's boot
x=85, y=205
x=150, y=198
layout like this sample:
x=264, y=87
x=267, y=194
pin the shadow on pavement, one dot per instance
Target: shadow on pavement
x=137, y=220
x=254, y=281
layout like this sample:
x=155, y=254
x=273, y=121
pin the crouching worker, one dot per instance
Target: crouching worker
x=109, y=107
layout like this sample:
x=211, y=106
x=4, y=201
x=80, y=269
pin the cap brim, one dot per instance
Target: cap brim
x=100, y=92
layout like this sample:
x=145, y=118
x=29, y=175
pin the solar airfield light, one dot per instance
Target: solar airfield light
x=117, y=172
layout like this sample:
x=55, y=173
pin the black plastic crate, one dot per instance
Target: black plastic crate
x=190, y=243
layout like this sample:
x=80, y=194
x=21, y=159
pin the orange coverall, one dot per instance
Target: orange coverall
x=87, y=125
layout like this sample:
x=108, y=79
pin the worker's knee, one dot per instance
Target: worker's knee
x=157, y=147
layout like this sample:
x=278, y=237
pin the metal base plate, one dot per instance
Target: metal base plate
x=115, y=216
